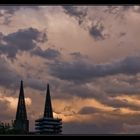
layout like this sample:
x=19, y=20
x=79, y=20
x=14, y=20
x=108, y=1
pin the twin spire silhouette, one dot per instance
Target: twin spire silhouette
x=21, y=122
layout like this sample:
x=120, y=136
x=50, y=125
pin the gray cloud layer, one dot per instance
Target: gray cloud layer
x=26, y=40
x=8, y=76
x=22, y=40
x=48, y=54
x=82, y=71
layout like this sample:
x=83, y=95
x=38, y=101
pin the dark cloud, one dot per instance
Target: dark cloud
x=47, y=54
x=69, y=90
x=32, y=78
x=78, y=55
x=35, y=84
x=9, y=76
x=80, y=71
x=119, y=85
x=81, y=91
x=22, y=40
x=131, y=90
x=120, y=104
x=75, y=71
x=80, y=14
x=97, y=32
x=77, y=12
x=88, y=110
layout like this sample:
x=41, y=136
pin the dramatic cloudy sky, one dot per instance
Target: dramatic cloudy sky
x=90, y=56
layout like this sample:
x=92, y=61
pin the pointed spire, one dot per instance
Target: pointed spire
x=21, y=123
x=48, y=106
x=21, y=108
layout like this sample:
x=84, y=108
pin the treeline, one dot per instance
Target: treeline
x=6, y=128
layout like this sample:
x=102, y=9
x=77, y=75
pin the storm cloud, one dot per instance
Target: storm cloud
x=22, y=40
x=84, y=71
x=47, y=54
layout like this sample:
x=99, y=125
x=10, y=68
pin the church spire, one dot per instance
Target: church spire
x=21, y=122
x=48, y=124
x=21, y=108
x=48, y=106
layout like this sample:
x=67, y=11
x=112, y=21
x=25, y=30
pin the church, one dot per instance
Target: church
x=46, y=125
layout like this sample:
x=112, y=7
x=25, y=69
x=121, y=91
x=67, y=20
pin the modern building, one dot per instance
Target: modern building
x=21, y=123
x=48, y=124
